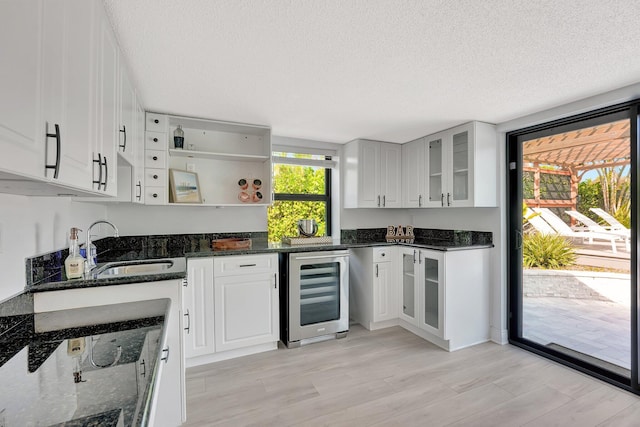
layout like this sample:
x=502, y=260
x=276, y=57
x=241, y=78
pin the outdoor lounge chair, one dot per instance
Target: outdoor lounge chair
x=563, y=229
x=597, y=228
x=614, y=223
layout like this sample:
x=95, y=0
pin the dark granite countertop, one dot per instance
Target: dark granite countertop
x=46, y=272
x=88, y=366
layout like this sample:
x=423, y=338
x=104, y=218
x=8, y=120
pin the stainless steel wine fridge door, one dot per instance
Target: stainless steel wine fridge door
x=318, y=294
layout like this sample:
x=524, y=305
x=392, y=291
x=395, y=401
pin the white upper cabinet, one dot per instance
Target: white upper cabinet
x=68, y=101
x=460, y=168
x=105, y=176
x=372, y=174
x=127, y=116
x=413, y=170
x=21, y=128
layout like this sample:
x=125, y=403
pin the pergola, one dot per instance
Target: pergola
x=574, y=153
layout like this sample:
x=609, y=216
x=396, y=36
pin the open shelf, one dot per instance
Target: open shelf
x=174, y=152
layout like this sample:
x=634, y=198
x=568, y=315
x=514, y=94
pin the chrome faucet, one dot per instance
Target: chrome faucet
x=90, y=261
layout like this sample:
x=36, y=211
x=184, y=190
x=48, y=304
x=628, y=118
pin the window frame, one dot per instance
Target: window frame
x=326, y=197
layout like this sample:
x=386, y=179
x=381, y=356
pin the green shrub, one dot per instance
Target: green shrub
x=547, y=251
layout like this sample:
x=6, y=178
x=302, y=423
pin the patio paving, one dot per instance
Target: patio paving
x=601, y=329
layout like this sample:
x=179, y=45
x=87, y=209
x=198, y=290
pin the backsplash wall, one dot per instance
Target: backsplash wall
x=35, y=225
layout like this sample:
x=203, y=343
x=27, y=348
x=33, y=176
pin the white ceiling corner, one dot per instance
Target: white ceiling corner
x=394, y=70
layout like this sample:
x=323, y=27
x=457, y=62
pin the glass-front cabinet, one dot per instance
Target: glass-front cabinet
x=432, y=292
x=435, y=179
x=409, y=286
x=460, y=167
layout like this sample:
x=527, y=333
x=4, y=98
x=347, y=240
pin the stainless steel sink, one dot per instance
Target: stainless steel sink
x=137, y=268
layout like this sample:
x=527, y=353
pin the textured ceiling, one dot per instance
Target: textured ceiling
x=393, y=70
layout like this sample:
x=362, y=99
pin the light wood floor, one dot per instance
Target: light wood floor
x=392, y=377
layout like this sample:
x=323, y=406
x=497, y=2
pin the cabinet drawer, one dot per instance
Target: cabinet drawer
x=244, y=264
x=155, y=159
x=156, y=122
x=382, y=254
x=155, y=140
x=155, y=177
x=155, y=195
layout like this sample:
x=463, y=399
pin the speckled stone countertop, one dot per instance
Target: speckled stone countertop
x=46, y=272
x=88, y=366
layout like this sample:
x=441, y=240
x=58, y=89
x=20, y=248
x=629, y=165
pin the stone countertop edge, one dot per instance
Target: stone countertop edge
x=257, y=249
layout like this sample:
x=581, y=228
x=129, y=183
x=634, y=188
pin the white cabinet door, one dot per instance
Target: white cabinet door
x=127, y=117
x=198, y=308
x=413, y=159
x=68, y=91
x=246, y=310
x=369, y=174
x=107, y=109
x=138, y=167
x=460, y=166
x=390, y=176
x=432, y=292
x=408, y=290
x=22, y=131
x=385, y=304
x=435, y=174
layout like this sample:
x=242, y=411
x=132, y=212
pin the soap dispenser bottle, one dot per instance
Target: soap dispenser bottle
x=74, y=264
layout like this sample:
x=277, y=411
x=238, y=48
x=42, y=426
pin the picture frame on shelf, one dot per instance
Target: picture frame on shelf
x=184, y=187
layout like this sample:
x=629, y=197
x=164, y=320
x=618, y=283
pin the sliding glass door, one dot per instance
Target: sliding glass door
x=572, y=242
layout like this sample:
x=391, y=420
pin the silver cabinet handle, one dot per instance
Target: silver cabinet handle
x=165, y=355
x=414, y=256
x=448, y=199
x=188, y=328
x=185, y=282
x=384, y=201
x=419, y=257
x=321, y=256
x=56, y=165
x=106, y=173
x=139, y=187
x=442, y=199
x=376, y=270
x=378, y=200
x=420, y=200
x=247, y=265
x=275, y=281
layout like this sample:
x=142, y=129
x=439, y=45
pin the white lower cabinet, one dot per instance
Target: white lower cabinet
x=198, y=308
x=231, y=307
x=445, y=296
x=373, y=290
x=442, y=296
x=168, y=406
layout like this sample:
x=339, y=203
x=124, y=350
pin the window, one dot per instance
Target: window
x=302, y=190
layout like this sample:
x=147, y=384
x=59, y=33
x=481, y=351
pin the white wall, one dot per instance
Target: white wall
x=35, y=225
x=135, y=220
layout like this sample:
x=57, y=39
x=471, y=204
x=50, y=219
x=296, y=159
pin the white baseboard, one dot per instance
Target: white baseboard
x=499, y=336
x=231, y=354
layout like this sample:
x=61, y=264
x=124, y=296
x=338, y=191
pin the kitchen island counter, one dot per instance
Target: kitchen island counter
x=88, y=366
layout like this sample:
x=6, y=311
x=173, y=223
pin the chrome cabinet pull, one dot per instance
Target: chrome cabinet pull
x=155, y=195
x=448, y=199
x=56, y=165
x=275, y=281
x=139, y=186
x=144, y=372
x=378, y=200
x=99, y=162
x=155, y=176
x=188, y=328
x=376, y=270
x=155, y=157
x=420, y=200
x=155, y=139
x=165, y=355
x=384, y=201
x=247, y=265
x=442, y=199
x=156, y=121
x=419, y=257
x=185, y=282
x=414, y=256
x=124, y=144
